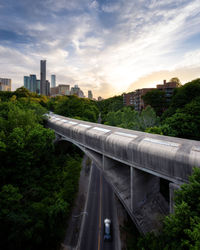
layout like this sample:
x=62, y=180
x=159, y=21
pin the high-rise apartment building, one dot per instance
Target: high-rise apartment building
x=168, y=88
x=77, y=91
x=27, y=82
x=64, y=89
x=38, y=86
x=43, y=85
x=53, y=81
x=135, y=98
x=61, y=89
x=90, y=95
x=33, y=83
x=47, y=88
x=5, y=84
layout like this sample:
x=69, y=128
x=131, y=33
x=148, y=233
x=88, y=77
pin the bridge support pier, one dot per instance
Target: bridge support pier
x=147, y=203
x=118, y=174
x=143, y=186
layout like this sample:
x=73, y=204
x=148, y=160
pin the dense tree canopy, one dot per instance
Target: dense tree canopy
x=112, y=104
x=183, y=116
x=37, y=184
x=131, y=119
x=157, y=100
x=183, y=96
x=75, y=107
x=185, y=122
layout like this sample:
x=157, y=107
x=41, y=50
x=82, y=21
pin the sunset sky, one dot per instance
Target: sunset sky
x=108, y=46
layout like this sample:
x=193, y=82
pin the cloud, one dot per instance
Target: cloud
x=185, y=74
x=109, y=8
x=104, y=44
x=190, y=59
x=94, y=5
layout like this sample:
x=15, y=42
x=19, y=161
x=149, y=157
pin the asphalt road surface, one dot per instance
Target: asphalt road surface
x=100, y=205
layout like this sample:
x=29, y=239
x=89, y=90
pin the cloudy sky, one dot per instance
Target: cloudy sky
x=108, y=46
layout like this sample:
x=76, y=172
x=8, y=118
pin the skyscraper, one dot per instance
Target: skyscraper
x=33, y=83
x=53, y=81
x=47, y=87
x=43, y=88
x=38, y=87
x=77, y=91
x=90, y=96
x=27, y=82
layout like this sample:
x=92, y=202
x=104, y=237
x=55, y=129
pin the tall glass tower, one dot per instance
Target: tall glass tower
x=53, y=81
x=27, y=82
x=43, y=77
x=38, y=87
x=33, y=84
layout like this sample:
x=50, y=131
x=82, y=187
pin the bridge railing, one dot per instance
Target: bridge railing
x=168, y=157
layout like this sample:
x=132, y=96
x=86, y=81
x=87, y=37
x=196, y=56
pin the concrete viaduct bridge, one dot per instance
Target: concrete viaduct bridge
x=143, y=169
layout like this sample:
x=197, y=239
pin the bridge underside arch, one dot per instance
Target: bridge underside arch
x=95, y=157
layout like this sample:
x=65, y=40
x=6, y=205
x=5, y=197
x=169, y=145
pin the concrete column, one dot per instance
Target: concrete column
x=172, y=188
x=143, y=185
x=118, y=175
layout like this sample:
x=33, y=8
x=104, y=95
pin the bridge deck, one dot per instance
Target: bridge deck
x=168, y=157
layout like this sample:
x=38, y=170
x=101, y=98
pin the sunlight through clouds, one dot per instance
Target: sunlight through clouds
x=107, y=45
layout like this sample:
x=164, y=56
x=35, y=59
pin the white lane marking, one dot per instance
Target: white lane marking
x=101, y=129
x=125, y=134
x=196, y=148
x=166, y=143
x=73, y=122
x=84, y=125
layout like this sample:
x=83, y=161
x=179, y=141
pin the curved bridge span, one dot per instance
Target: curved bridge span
x=144, y=169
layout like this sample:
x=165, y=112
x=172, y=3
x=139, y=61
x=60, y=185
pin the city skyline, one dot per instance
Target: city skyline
x=107, y=46
x=44, y=87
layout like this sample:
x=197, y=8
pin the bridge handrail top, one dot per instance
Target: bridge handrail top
x=154, y=138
